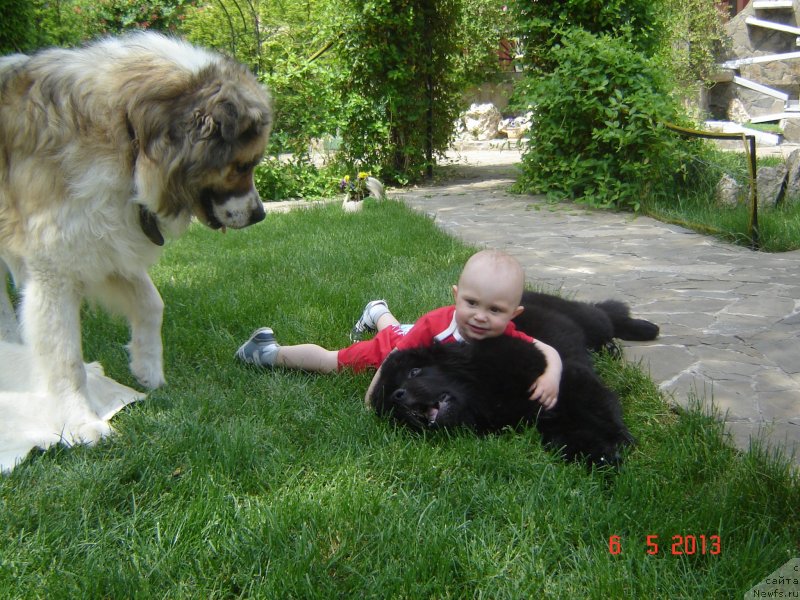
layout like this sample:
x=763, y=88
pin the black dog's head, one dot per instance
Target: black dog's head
x=417, y=388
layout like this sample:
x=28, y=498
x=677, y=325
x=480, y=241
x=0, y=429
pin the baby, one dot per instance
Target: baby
x=487, y=297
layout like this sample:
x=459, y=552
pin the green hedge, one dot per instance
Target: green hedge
x=597, y=135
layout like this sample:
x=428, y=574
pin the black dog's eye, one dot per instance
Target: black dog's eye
x=414, y=372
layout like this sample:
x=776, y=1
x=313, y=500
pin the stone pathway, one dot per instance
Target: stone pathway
x=729, y=317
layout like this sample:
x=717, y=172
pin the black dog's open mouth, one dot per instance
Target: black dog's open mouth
x=430, y=413
x=423, y=414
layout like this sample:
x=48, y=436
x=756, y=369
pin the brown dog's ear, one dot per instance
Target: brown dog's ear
x=230, y=123
x=205, y=124
x=218, y=115
x=224, y=114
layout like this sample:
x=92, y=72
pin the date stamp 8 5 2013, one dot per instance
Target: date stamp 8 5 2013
x=676, y=545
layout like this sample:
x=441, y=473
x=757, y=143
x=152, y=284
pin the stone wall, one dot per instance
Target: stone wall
x=752, y=41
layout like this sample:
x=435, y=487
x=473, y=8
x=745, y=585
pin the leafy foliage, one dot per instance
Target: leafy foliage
x=277, y=179
x=600, y=79
x=483, y=25
x=17, y=30
x=696, y=39
x=70, y=22
x=307, y=106
x=542, y=25
x=598, y=135
x=401, y=89
x=114, y=16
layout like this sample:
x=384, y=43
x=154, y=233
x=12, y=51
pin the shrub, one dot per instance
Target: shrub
x=597, y=135
x=17, y=30
x=277, y=179
x=542, y=25
x=402, y=87
x=696, y=39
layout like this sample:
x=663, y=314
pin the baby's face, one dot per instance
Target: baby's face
x=484, y=306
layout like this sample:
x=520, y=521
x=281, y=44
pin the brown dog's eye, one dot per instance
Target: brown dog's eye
x=243, y=168
x=414, y=372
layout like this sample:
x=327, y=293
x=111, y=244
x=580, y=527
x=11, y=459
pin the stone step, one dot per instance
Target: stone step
x=772, y=4
x=775, y=117
x=760, y=88
x=752, y=60
x=756, y=22
x=763, y=138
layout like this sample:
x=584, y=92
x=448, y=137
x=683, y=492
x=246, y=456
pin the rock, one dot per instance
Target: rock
x=791, y=130
x=730, y=192
x=737, y=112
x=771, y=185
x=793, y=177
x=481, y=121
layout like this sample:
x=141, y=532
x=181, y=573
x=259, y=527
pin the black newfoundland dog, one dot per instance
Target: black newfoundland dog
x=484, y=386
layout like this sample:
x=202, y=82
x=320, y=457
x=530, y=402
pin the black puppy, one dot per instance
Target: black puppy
x=484, y=385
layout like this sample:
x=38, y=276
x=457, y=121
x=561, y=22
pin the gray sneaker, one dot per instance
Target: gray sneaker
x=368, y=320
x=260, y=349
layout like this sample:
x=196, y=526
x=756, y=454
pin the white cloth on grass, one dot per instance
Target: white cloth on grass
x=32, y=419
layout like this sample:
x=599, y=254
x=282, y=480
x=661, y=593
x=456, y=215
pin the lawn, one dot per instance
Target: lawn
x=237, y=482
x=696, y=207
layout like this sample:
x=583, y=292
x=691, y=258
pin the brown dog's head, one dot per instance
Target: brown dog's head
x=200, y=135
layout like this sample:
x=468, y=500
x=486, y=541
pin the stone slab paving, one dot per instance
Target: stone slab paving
x=729, y=317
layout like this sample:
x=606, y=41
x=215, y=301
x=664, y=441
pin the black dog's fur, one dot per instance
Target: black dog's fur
x=484, y=385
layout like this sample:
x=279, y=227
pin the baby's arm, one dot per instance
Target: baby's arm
x=373, y=383
x=545, y=389
x=368, y=395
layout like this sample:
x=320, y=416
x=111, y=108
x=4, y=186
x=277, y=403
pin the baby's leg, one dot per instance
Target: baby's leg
x=263, y=350
x=308, y=357
x=387, y=319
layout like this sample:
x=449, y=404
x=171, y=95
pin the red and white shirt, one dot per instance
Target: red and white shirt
x=440, y=326
x=437, y=326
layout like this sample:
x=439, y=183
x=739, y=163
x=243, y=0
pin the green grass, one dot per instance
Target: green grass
x=778, y=228
x=766, y=127
x=236, y=482
x=697, y=209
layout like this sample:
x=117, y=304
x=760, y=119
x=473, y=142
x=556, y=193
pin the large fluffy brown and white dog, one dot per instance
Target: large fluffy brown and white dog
x=104, y=152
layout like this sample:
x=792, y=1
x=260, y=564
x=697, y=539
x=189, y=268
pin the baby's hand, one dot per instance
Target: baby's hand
x=545, y=390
